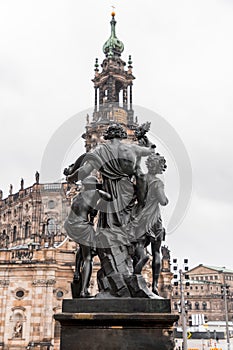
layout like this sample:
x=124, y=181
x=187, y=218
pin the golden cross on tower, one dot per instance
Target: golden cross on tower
x=113, y=11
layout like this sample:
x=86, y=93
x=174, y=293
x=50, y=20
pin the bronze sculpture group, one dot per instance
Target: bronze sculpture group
x=125, y=203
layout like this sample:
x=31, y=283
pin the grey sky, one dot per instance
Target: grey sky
x=182, y=54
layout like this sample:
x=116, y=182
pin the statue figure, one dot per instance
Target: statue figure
x=21, y=184
x=165, y=253
x=88, y=119
x=147, y=225
x=143, y=140
x=37, y=176
x=18, y=329
x=11, y=189
x=140, y=134
x=79, y=226
x=1, y=194
x=119, y=164
x=130, y=214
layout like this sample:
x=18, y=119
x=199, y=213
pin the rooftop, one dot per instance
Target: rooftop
x=214, y=268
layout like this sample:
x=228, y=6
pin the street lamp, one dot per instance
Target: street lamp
x=181, y=280
x=225, y=293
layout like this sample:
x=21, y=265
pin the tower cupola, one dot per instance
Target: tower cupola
x=113, y=46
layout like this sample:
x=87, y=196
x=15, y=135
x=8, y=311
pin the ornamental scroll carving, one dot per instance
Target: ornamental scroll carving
x=4, y=283
x=44, y=283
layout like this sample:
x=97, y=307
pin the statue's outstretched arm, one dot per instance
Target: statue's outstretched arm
x=71, y=168
x=81, y=172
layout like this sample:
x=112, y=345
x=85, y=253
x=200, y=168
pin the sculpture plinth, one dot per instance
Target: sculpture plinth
x=117, y=324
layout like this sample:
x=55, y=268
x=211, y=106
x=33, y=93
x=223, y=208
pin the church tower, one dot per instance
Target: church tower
x=113, y=84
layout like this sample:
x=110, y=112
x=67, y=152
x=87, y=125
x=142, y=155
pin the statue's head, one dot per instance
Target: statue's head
x=115, y=131
x=156, y=164
x=146, y=126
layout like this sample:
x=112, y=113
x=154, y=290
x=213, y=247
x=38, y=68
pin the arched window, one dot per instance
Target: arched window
x=51, y=204
x=27, y=229
x=204, y=305
x=197, y=305
x=3, y=239
x=43, y=230
x=175, y=306
x=14, y=233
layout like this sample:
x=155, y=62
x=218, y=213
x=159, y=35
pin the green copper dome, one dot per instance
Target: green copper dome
x=113, y=46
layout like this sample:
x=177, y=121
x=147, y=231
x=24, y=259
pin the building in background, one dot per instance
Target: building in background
x=204, y=296
x=36, y=264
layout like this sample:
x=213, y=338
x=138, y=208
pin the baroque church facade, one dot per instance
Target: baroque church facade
x=35, y=271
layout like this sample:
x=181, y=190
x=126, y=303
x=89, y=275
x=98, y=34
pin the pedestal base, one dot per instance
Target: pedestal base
x=120, y=324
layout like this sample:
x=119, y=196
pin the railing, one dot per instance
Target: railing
x=52, y=187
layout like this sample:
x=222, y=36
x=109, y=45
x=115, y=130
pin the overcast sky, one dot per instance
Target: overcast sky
x=182, y=54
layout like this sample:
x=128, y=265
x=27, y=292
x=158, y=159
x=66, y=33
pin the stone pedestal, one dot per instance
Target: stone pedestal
x=116, y=324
